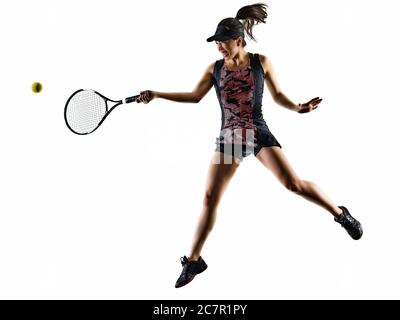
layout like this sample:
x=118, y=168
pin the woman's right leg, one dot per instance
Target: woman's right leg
x=220, y=172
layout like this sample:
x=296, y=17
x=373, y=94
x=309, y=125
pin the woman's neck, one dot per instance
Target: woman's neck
x=240, y=59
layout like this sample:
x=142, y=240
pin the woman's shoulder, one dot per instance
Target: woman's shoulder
x=262, y=57
x=214, y=64
x=264, y=61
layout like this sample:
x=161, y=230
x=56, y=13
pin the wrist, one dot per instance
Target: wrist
x=298, y=107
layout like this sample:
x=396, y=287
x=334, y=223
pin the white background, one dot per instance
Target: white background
x=107, y=216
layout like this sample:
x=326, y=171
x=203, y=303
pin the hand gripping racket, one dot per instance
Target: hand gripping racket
x=86, y=110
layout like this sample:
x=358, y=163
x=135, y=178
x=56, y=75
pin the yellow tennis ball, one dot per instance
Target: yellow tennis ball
x=37, y=87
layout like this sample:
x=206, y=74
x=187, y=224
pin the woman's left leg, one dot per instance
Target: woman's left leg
x=274, y=159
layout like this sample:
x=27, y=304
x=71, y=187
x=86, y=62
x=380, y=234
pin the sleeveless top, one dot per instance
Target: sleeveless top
x=240, y=95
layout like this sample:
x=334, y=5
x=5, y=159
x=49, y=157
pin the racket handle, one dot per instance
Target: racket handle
x=131, y=99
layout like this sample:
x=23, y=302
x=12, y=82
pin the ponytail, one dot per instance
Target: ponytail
x=252, y=15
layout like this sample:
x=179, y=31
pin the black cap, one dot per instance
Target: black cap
x=224, y=33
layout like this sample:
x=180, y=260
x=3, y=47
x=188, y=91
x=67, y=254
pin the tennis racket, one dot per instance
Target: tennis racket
x=86, y=110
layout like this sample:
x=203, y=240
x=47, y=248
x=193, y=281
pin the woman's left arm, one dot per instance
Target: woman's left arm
x=278, y=96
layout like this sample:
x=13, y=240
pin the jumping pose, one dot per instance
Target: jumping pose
x=238, y=79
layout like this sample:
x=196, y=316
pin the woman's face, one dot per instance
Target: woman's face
x=229, y=48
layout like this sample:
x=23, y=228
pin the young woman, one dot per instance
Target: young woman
x=238, y=79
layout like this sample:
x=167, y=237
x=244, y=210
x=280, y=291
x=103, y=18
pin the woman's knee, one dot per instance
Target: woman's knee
x=294, y=184
x=210, y=200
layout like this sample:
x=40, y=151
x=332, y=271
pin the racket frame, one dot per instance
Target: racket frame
x=108, y=110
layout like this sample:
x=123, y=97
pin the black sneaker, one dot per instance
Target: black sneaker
x=352, y=226
x=190, y=270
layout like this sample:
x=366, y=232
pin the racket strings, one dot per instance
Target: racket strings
x=85, y=111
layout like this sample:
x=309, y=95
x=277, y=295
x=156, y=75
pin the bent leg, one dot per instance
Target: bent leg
x=275, y=160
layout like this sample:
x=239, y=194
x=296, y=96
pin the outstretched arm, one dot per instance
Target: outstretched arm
x=277, y=94
x=194, y=96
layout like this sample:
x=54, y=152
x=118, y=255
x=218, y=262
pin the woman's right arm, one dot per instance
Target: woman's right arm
x=195, y=96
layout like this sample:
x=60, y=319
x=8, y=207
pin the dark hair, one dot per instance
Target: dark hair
x=250, y=16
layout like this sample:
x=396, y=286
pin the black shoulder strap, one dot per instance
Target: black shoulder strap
x=216, y=72
x=255, y=60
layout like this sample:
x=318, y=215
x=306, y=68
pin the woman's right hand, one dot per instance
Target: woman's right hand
x=145, y=96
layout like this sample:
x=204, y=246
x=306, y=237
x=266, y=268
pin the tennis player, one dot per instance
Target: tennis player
x=238, y=79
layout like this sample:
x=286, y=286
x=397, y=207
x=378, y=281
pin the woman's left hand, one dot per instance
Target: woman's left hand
x=309, y=106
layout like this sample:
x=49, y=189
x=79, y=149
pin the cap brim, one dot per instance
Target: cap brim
x=218, y=38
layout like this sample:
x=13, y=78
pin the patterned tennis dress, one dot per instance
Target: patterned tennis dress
x=243, y=129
